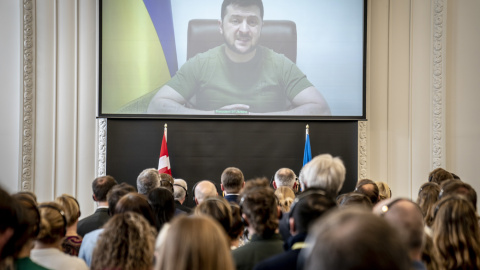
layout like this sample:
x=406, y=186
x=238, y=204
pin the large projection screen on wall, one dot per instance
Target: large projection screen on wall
x=180, y=59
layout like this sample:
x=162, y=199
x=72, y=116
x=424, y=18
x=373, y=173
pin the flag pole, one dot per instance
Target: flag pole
x=306, y=131
x=165, y=131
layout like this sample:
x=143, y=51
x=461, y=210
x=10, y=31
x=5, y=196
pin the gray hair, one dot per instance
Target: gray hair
x=147, y=180
x=285, y=177
x=179, y=189
x=325, y=172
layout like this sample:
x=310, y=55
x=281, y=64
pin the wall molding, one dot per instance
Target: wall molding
x=439, y=25
x=101, y=147
x=28, y=94
x=362, y=149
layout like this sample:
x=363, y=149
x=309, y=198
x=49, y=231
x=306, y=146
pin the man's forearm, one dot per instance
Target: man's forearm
x=168, y=106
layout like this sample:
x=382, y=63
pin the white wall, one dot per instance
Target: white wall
x=400, y=139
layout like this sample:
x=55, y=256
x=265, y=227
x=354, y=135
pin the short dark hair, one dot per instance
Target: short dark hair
x=309, y=206
x=101, y=185
x=163, y=205
x=353, y=238
x=232, y=179
x=116, y=193
x=167, y=177
x=242, y=3
x=134, y=202
x=371, y=193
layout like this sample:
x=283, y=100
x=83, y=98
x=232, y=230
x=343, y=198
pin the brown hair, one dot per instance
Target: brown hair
x=195, y=242
x=52, y=222
x=71, y=208
x=137, y=203
x=127, y=242
x=456, y=235
x=101, y=185
x=427, y=197
x=232, y=179
x=439, y=175
x=219, y=209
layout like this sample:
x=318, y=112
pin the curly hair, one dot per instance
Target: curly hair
x=127, y=242
x=456, y=235
x=195, y=242
x=259, y=204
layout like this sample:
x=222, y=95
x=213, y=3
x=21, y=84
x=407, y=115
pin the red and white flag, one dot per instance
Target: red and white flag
x=164, y=160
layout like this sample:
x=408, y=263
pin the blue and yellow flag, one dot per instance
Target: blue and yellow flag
x=138, y=49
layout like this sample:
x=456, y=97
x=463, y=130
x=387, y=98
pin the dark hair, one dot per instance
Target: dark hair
x=163, y=205
x=232, y=179
x=354, y=198
x=259, y=204
x=371, y=193
x=242, y=3
x=137, y=203
x=101, y=185
x=355, y=238
x=309, y=206
x=237, y=224
x=219, y=209
x=28, y=223
x=116, y=193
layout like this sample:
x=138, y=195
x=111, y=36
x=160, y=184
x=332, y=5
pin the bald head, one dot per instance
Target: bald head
x=203, y=190
x=407, y=218
x=285, y=177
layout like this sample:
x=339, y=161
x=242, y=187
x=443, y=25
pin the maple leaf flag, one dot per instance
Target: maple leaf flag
x=164, y=160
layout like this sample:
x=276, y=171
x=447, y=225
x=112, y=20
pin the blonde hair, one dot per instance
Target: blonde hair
x=285, y=196
x=195, y=242
x=384, y=191
x=71, y=207
x=127, y=242
x=52, y=222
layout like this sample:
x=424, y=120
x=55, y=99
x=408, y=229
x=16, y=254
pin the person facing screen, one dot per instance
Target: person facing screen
x=239, y=76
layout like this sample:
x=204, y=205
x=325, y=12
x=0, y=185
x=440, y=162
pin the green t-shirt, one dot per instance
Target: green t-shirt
x=267, y=83
x=27, y=264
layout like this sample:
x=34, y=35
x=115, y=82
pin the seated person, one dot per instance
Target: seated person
x=72, y=242
x=239, y=76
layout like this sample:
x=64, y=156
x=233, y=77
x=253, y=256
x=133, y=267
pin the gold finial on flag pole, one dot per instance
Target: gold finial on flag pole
x=306, y=131
x=165, y=130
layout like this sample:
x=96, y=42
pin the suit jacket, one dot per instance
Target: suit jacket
x=232, y=198
x=181, y=207
x=286, y=260
x=93, y=222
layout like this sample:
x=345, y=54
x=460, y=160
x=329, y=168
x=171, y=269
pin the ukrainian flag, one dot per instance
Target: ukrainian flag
x=138, y=50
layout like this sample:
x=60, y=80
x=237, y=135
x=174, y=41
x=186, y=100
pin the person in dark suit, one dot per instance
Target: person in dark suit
x=180, y=195
x=100, y=186
x=232, y=183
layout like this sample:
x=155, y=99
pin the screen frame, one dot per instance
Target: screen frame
x=100, y=114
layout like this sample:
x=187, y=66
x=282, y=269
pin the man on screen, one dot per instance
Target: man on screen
x=239, y=77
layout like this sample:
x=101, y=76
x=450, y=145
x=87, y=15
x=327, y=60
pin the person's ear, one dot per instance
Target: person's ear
x=196, y=201
x=221, y=186
x=220, y=26
x=94, y=198
x=245, y=220
x=274, y=184
x=291, y=223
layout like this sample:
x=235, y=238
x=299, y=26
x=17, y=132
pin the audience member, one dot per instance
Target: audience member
x=100, y=187
x=407, y=218
x=236, y=230
x=90, y=239
x=354, y=199
x=325, y=172
x=72, y=241
x=194, y=242
x=180, y=194
x=137, y=203
x=384, y=191
x=8, y=215
x=232, y=182
x=25, y=233
x=53, y=227
x=427, y=197
x=147, y=180
x=308, y=206
x=285, y=197
x=439, y=175
x=285, y=177
x=260, y=213
x=219, y=209
x=456, y=235
x=203, y=190
x=354, y=238
x=127, y=243
x=166, y=177
x=452, y=187
x=166, y=185
x=163, y=206
x=369, y=188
